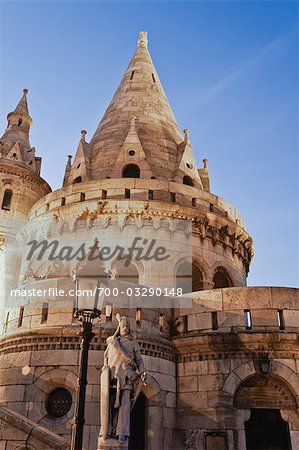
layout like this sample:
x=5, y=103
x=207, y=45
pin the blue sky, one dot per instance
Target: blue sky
x=229, y=70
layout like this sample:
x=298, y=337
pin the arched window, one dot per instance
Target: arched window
x=187, y=180
x=7, y=197
x=189, y=278
x=131, y=171
x=128, y=273
x=197, y=279
x=93, y=267
x=221, y=279
x=77, y=180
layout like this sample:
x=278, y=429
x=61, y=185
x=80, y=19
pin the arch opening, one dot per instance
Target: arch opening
x=266, y=430
x=7, y=199
x=189, y=278
x=128, y=274
x=131, y=171
x=77, y=180
x=187, y=180
x=221, y=279
x=265, y=396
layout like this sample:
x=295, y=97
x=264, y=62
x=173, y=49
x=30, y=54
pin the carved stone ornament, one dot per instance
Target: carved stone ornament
x=264, y=392
x=192, y=439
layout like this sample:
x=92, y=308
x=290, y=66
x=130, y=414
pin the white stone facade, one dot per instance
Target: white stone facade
x=137, y=176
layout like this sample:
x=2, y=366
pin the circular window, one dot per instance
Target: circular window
x=131, y=152
x=78, y=165
x=190, y=166
x=59, y=402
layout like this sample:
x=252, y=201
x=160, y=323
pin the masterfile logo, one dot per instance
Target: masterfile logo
x=125, y=261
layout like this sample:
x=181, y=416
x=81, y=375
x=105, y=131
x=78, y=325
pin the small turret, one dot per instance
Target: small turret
x=15, y=144
x=19, y=121
x=20, y=188
x=20, y=183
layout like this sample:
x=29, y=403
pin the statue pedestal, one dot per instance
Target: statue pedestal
x=111, y=444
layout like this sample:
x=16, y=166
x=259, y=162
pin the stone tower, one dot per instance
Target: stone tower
x=138, y=177
x=21, y=185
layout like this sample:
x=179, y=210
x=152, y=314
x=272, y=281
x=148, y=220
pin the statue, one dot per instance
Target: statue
x=122, y=378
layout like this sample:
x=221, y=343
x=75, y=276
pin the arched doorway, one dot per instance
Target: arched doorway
x=138, y=424
x=266, y=430
x=265, y=396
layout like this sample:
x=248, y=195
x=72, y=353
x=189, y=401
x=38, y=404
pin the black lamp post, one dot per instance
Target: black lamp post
x=86, y=311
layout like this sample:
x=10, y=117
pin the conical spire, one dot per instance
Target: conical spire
x=14, y=144
x=22, y=106
x=139, y=94
x=18, y=124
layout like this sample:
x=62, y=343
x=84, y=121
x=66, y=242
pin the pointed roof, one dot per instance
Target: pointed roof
x=14, y=144
x=139, y=94
x=22, y=106
x=80, y=168
x=19, y=123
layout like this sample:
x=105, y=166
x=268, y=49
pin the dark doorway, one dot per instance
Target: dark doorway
x=138, y=424
x=266, y=430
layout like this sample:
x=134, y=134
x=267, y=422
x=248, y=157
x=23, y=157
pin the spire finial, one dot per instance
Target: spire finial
x=22, y=106
x=205, y=163
x=186, y=133
x=142, y=39
x=83, y=132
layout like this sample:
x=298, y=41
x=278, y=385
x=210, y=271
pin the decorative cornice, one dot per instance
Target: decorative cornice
x=35, y=342
x=20, y=172
x=235, y=345
x=246, y=354
x=237, y=240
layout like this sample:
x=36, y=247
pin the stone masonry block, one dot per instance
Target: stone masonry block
x=187, y=384
x=201, y=322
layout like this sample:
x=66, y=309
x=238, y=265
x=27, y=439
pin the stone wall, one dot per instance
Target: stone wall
x=18, y=432
x=213, y=363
